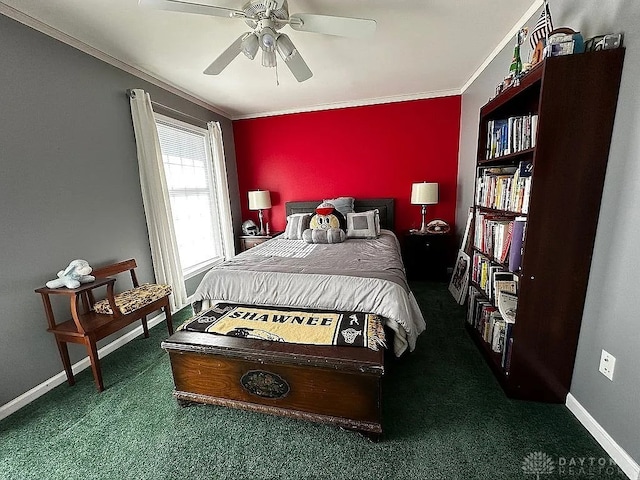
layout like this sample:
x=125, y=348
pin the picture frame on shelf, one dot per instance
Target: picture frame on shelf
x=465, y=245
x=460, y=278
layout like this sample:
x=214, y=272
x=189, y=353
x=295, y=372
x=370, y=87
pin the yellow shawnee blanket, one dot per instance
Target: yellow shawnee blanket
x=282, y=324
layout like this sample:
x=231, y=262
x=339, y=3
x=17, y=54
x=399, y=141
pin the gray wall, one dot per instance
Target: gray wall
x=610, y=319
x=69, y=186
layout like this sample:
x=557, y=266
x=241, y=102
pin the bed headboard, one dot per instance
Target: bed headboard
x=384, y=205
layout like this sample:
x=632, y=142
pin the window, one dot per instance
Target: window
x=192, y=192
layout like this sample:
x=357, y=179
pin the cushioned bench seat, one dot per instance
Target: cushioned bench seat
x=134, y=299
x=94, y=320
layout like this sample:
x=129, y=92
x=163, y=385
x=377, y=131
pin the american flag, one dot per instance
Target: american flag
x=543, y=27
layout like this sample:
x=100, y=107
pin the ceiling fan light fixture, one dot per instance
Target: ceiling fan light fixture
x=266, y=18
x=250, y=45
x=268, y=58
x=268, y=39
x=285, y=46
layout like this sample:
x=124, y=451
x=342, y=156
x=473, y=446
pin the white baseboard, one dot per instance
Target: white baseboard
x=39, y=390
x=615, y=451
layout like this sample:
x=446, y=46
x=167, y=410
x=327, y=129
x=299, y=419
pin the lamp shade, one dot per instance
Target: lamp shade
x=259, y=200
x=424, y=193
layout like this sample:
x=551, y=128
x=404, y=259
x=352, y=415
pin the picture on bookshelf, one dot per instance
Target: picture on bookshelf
x=465, y=245
x=460, y=278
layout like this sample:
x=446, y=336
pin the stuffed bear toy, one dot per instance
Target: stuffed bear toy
x=327, y=225
x=71, y=277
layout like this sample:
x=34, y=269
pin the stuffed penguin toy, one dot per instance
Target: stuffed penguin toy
x=327, y=225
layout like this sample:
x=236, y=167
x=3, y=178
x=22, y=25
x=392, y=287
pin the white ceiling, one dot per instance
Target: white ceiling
x=421, y=49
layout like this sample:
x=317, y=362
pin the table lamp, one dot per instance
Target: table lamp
x=424, y=194
x=260, y=200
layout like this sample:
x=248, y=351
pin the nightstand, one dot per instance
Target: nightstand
x=250, y=241
x=426, y=257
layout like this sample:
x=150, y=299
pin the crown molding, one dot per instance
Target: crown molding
x=353, y=103
x=100, y=55
x=48, y=30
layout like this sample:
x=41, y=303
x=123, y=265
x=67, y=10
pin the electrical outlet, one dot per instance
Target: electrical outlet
x=607, y=364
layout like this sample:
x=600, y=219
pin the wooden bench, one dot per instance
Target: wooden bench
x=94, y=320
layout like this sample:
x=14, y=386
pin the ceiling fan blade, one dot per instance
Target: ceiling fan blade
x=341, y=26
x=189, y=7
x=225, y=57
x=292, y=58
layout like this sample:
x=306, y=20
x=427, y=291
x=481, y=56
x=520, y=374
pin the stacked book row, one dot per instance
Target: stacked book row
x=493, y=235
x=495, y=329
x=505, y=188
x=511, y=135
x=490, y=277
x=500, y=238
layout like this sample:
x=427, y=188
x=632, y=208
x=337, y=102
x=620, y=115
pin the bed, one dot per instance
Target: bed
x=334, y=384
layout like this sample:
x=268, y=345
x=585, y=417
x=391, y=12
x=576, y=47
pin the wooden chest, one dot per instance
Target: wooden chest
x=336, y=385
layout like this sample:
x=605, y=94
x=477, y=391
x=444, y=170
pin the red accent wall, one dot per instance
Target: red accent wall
x=363, y=152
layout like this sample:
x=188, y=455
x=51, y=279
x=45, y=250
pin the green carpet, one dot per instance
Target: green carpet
x=445, y=417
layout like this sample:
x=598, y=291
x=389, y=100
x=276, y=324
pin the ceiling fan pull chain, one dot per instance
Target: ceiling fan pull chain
x=277, y=78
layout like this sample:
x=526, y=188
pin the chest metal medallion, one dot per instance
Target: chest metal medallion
x=264, y=384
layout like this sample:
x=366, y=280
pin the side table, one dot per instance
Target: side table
x=250, y=241
x=427, y=256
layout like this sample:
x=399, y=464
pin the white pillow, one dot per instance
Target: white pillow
x=363, y=224
x=296, y=224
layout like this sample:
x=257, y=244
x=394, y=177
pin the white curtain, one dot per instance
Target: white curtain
x=155, y=197
x=222, y=190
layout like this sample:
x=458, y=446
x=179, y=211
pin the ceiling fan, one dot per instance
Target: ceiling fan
x=266, y=18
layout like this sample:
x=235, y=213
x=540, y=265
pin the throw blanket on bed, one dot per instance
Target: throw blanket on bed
x=290, y=249
x=290, y=325
x=357, y=275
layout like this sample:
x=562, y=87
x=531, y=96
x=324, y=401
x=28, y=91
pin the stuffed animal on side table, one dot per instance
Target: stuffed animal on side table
x=71, y=277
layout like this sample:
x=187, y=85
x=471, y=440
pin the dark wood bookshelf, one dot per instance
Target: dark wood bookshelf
x=575, y=98
x=490, y=257
x=526, y=89
x=493, y=359
x=505, y=213
x=511, y=159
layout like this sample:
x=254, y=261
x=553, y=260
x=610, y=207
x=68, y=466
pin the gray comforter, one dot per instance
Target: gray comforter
x=357, y=275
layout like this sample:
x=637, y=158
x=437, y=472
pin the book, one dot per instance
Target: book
x=481, y=305
x=506, y=243
x=517, y=241
x=507, y=305
x=525, y=168
x=505, y=282
x=474, y=297
x=490, y=315
x=484, y=324
x=497, y=335
x=510, y=135
x=508, y=346
x=489, y=326
x=493, y=270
